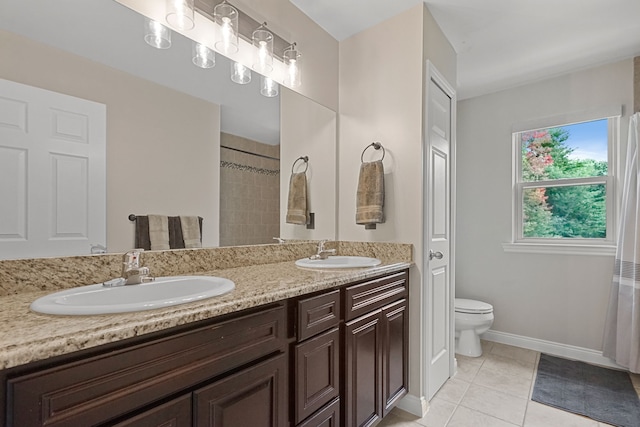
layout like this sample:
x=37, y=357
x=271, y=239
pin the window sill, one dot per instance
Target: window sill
x=560, y=249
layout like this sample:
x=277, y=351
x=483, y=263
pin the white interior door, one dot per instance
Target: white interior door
x=438, y=231
x=52, y=173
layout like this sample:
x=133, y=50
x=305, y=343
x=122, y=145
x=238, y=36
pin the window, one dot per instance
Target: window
x=563, y=189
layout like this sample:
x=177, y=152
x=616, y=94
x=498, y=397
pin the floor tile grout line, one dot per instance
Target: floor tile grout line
x=533, y=383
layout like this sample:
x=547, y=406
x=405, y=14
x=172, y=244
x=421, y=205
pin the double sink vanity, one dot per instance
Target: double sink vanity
x=289, y=345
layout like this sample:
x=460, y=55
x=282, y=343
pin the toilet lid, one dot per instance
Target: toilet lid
x=472, y=306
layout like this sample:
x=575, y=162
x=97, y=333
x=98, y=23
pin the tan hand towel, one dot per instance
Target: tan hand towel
x=297, y=206
x=159, y=232
x=370, y=195
x=191, y=231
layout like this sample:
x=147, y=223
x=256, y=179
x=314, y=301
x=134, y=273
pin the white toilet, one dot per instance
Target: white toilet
x=472, y=319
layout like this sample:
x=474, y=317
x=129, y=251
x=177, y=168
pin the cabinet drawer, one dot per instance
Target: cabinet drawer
x=317, y=374
x=176, y=413
x=367, y=296
x=329, y=416
x=103, y=387
x=317, y=314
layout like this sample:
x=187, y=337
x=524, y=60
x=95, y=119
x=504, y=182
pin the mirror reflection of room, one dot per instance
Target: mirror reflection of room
x=167, y=122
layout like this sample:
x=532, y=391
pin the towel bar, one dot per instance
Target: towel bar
x=376, y=146
x=305, y=159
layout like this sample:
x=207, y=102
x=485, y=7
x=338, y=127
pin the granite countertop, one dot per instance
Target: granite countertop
x=26, y=336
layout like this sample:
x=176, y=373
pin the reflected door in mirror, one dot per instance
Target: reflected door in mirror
x=52, y=173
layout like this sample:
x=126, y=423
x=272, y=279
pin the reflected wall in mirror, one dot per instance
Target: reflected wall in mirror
x=163, y=126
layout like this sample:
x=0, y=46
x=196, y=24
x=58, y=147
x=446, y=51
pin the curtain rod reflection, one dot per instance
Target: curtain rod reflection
x=249, y=152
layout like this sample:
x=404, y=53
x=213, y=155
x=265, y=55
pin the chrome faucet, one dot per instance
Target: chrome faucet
x=131, y=270
x=322, y=253
x=132, y=273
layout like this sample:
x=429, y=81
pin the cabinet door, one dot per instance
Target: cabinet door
x=176, y=413
x=255, y=396
x=329, y=416
x=395, y=353
x=363, y=370
x=317, y=373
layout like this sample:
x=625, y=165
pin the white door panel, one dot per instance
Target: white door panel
x=437, y=239
x=52, y=173
x=13, y=194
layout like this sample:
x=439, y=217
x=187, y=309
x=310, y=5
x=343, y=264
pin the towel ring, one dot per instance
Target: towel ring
x=376, y=146
x=305, y=159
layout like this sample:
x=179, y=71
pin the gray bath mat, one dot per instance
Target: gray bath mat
x=602, y=394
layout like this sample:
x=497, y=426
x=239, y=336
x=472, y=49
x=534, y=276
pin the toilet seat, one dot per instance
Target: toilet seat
x=470, y=306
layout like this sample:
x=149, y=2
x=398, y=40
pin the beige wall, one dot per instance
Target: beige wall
x=162, y=146
x=558, y=298
x=381, y=99
x=249, y=191
x=313, y=134
x=319, y=60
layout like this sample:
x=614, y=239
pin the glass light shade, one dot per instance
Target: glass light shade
x=240, y=74
x=263, y=58
x=268, y=87
x=180, y=14
x=202, y=56
x=226, y=16
x=156, y=34
x=291, y=59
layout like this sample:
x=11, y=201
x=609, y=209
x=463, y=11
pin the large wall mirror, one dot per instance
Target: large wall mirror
x=180, y=140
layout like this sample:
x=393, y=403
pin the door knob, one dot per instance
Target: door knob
x=436, y=255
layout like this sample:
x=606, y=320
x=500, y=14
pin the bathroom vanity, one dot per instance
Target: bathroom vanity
x=329, y=351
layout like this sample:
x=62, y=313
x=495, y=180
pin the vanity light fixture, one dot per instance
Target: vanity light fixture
x=180, y=14
x=240, y=74
x=202, y=56
x=291, y=58
x=156, y=34
x=262, y=40
x=226, y=16
x=268, y=87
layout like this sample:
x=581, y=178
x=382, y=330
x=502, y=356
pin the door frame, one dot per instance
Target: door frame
x=432, y=73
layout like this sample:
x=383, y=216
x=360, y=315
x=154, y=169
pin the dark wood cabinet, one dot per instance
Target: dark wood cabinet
x=363, y=370
x=376, y=349
x=102, y=389
x=329, y=416
x=329, y=359
x=176, y=413
x=317, y=376
x=316, y=360
x=395, y=354
x=254, y=397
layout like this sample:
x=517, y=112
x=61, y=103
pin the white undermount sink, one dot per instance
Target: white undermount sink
x=162, y=292
x=338, y=261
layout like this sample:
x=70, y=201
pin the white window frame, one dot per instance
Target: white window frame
x=573, y=246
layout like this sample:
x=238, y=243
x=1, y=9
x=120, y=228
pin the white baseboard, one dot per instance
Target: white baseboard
x=553, y=348
x=414, y=405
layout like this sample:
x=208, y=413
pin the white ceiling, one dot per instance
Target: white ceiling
x=505, y=43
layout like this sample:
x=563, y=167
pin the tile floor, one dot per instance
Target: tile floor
x=493, y=390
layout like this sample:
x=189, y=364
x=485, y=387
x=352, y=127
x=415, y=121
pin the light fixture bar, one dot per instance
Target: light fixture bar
x=246, y=25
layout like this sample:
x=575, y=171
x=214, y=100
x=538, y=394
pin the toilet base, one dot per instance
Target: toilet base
x=468, y=343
